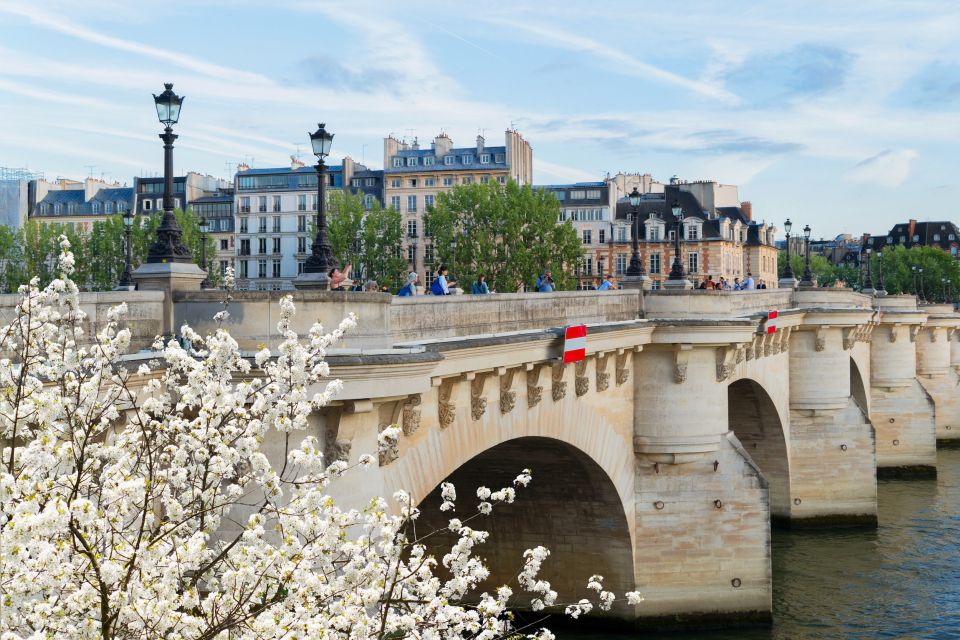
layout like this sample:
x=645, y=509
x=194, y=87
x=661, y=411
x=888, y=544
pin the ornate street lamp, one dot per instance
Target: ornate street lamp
x=880, y=288
x=916, y=291
x=126, y=281
x=204, y=228
x=923, y=294
x=788, y=271
x=636, y=267
x=676, y=271
x=807, y=280
x=168, y=246
x=868, y=282
x=321, y=259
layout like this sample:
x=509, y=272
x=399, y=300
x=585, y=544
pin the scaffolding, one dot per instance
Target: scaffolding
x=19, y=173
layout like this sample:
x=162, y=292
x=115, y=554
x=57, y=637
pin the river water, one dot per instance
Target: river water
x=900, y=581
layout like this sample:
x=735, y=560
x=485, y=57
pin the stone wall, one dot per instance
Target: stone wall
x=144, y=313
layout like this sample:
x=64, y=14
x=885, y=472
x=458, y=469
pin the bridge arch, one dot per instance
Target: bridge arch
x=754, y=419
x=858, y=388
x=572, y=507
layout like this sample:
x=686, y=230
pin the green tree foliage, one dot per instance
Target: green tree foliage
x=509, y=232
x=100, y=254
x=370, y=240
x=937, y=265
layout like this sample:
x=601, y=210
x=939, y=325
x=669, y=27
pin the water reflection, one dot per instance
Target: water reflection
x=900, y=581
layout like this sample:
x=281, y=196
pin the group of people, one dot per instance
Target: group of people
x=747, y=284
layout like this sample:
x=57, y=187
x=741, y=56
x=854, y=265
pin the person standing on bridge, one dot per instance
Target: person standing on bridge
x=607, y=283
x=748, y=284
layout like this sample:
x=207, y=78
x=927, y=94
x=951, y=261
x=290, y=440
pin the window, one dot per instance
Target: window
x=502, y=179
x=276, y=203
x=428, y=161
x=108, y=207
x=95, y=206
x=276, y=245
x=428, y=254
x=916, y=238
x=244, y=268
x=654, y=263
x=952, y=237
x=413, y=182
x=261, y=268
x=621, y=234
x=588, y=263
x=693, y=231
x=672, y=235
x=301, y=244
x=428, y=201
x=466, y=159
x=223, y=267
x=903, y=239
x=370, y=182
x=593, y=194
x=300, y=265
x=244, y=205
x=395, y=202
x=693, y=262
x=147, y=204
x=411, y=228
x=411, y=162
x=936, y=237
x=262, y=246
x=224, y=244
x=244, y=225
x=262, y=203
x=121, y=206
x=448, y=182
x=368, y=201
x=467, y=179
x=316, y=199
x=158, y=204
x=301, y=202
x=653, y=233
x=263, y=224
x=577, y=195
x=301, y=223
x=397, y=161
x=485, y=179
x=411, y=253
x=429, y=182
x=448, y=160
x=484, y=158
x=621, y=263
x=412, y=203
x=602, y=236
x=499, y=157
x=355, y=182
x=395, y=183
x=276, y=268
x=276, y=224
x=587, y=236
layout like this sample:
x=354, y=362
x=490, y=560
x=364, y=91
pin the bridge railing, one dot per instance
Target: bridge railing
x=695, y=303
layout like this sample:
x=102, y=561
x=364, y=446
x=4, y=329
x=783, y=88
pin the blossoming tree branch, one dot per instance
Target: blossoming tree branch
x=137, y=503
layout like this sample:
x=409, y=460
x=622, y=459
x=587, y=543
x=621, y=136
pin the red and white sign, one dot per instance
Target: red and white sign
x=771, y=322
x=575, y=346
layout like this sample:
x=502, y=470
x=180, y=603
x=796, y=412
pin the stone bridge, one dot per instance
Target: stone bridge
x=662, y=459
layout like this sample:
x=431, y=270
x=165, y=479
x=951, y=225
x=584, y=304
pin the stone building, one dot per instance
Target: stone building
x=413, y=177
x=718, y=239
x=944, y=235
x=218, y=209
x=274, y=208
x=78, y=203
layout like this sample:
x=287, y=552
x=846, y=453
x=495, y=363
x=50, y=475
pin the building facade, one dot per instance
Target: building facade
x=943, y=235
x=274, y=209
x=187, y=188
x=413, y=177
x=78, y=203
x=219, y=211
x=717, y=241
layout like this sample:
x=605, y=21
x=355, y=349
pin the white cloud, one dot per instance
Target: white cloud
x=888, y=168
x=545, y=172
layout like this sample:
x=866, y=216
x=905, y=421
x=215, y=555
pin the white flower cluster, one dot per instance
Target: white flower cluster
x=139, y=504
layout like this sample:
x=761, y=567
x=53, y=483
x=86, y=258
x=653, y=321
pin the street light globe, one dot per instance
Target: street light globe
x=806, y=232
x=677, y=209
x=204, y=225
x=321, y=141
x=128, y=218
x=787, y=226
x=168, y=105
x=634, y=198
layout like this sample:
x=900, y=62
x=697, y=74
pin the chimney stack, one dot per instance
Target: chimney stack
x=480, y=144
x=296, y=163
x=747, y=209
x=243, y=166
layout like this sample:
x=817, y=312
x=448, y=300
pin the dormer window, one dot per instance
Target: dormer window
x=693, y=229
x=467, y=159
x=499, y=157
x=889, y=239
x=398, y=161
x=484, y=158
x=448, y=160
x=936, y=237
x=411, y=162
x=916, y=238
x=428, y=161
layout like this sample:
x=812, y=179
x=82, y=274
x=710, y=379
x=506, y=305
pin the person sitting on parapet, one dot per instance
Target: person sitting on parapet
x=409, y=289
x=748, y=283
x=339, y=278
x=607, y=283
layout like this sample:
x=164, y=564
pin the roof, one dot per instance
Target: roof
x=691, y=208
x=283, y=170
x=122, y=193
x=935, y=233
x=458, y=164
x=63, y=197
x=572, y=185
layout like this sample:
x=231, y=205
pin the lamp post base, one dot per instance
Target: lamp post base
x=637, y=282
x=807, y=284
x=788, y=283
x=678, y=285
x=125, y=287
x=312, y=281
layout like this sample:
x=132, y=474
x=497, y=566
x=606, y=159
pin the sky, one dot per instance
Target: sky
x=841, y=115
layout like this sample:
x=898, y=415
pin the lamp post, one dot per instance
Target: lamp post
x=413, y=261
x=943, y=286
x=868, y=282
x=321, y=259
x=789, y=280
x=916, y=292
x=636, y=268
x=807, y=280
x=126, y=280
x=676, y=271
x=923, y=294
x=168, y=245
x=453, y=258
x=204, y=229
x=880, y=290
